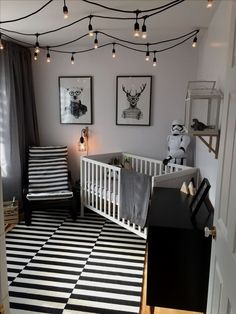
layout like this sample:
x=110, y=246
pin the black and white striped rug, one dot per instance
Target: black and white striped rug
x=60, y=266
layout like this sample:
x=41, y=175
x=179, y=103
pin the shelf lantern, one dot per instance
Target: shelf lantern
x=202, y=108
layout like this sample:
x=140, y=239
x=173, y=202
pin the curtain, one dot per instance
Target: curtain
x=18, y=121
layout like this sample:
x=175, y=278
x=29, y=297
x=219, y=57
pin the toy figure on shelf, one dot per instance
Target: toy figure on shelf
x=178, y=142
x=200, y=126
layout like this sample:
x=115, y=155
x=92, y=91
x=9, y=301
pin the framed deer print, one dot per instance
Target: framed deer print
x=75, y=95
x=133, y=100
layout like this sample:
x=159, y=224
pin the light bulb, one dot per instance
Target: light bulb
x=136, y=29
x=65, y=10
x=48, y=56
x=194, y=44
x=35, y=56
x=154, y=60
x=90, y=28
x=96, y=42
x=1, y=45
x=144, y=31
x=72, y=59
x=209, y=3
x=36, y=49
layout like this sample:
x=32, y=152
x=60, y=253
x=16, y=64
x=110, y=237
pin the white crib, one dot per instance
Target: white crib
x=100, y=183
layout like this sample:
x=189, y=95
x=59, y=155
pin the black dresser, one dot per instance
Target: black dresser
x=178, y=252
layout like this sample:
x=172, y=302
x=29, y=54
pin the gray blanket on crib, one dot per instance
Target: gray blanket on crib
x=134, y=196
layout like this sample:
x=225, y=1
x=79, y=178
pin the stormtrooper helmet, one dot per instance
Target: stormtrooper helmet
x=177, y=127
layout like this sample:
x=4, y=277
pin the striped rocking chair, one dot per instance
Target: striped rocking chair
x=48, y=180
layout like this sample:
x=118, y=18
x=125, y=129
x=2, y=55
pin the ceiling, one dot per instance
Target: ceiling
x=176, y=21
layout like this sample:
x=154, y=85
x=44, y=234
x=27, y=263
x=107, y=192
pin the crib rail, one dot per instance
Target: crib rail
x=100, y=183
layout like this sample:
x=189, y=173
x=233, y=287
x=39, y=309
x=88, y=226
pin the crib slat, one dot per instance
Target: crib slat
x=145, y=168
x=105, y=189
x=101, y=188
x=82, y=187
x=114, y=193
x=97, y=182
x=92, y=184
x=109, y=192
x=118, y=196
x=85, y=182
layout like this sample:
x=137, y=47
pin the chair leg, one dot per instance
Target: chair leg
x=74, y=208
x=27, y=213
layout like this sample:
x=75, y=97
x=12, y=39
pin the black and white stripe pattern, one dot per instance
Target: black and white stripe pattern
x=48, y=151
x=61, y=266
x=48, y=173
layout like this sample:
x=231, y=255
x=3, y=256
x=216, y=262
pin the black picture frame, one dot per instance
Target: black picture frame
x=200, y=196
x=133, y=100
x=75, y=99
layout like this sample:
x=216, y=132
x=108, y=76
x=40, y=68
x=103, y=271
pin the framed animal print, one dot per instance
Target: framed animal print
x=133, y=100
x=75, y=95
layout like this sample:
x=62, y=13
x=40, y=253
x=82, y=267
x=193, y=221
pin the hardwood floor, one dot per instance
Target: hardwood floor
x=145, y=309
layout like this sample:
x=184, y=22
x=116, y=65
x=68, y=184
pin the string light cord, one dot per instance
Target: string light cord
x=162, y=8
x=28, y=15
x=175, y=2
x=192, y=33
x=167, y=6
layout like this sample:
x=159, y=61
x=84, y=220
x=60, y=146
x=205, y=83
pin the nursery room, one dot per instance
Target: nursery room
x=117, y=156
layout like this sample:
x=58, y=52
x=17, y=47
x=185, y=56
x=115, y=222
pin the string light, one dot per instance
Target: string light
x=48, y=56
x=1, y=43
x=119, y=41
x=90, y=27
x=154, y=59
x=136, y=26
x=147, y=53
x=96, y=41
x=113, y=51
x=35, y=56
x=144, y=29
x=194, y=44
x=209, y=4
x=65, y=10
x=36, y=49
x=72, y=59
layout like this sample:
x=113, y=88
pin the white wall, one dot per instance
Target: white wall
x=170, y=79
x=213, y=51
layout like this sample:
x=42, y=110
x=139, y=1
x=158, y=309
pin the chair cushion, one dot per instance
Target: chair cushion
x=48, y=173
x=49, y=196
x=48, y=151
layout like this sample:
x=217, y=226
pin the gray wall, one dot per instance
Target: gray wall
x=170, y=79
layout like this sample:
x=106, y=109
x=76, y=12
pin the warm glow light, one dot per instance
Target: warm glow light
x=48, y=56
x=154, y=60
x=96, y=42
x=144, y=31
x=65, y=10
x=83, y=142
x=194, y=44
x=1, y=45
x=35, y=56
x=136, y=29
x=209, y=3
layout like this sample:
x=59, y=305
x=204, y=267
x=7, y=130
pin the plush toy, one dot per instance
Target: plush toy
x=178, y=142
